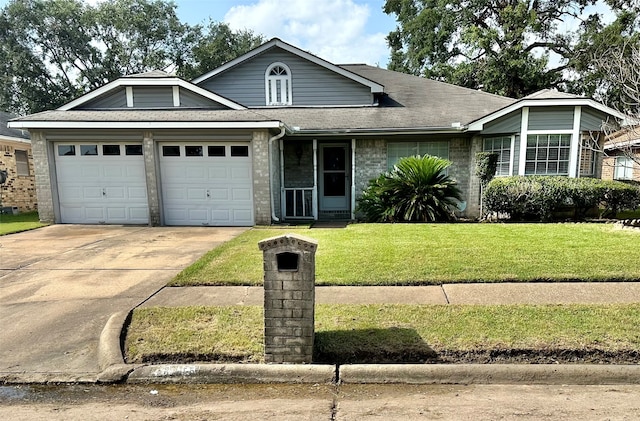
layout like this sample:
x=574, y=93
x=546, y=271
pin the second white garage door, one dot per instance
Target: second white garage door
x=206, y=184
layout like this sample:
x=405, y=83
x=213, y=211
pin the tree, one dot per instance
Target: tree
x=217, y=46
x=620, y=69
x=506, y=47
x=52, y=51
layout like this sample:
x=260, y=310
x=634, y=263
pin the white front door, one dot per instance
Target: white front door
x=206, y=183
x=334, y=179
x=101, y=183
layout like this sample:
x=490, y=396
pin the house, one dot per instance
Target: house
x=622, y=156
x=18, y=192
x=279, y=134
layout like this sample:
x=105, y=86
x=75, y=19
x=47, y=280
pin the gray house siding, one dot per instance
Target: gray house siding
x=516, y=155
x=152, y=97
x=311, y=84
x=508, y=124
x=551, y=118
x=592, y=120
x=115, y=99
x=192, y=100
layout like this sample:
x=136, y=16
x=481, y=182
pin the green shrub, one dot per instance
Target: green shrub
x=539, y=197
x=416, y=190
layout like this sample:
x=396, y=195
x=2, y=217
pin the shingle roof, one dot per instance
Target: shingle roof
x=410, y=102
x=133, y=115
x=5, y=131
x=551, y=94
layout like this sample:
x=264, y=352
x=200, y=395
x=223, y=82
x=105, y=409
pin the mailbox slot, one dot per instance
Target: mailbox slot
x=287, y=262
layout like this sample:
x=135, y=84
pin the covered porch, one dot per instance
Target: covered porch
x=317, y=179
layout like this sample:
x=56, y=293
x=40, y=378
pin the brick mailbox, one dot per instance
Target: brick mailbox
x=289, y=298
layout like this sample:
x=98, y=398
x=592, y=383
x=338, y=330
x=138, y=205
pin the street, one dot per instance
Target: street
x=319, y=402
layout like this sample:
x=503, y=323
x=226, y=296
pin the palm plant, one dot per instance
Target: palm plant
x=417, y=189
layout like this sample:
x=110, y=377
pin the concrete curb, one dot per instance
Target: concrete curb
x=114, y=370
x=576, y=374
x=233, y=373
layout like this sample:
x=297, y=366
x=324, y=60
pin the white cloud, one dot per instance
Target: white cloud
x=331, y=29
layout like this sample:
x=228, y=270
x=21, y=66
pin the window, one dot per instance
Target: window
x=111, y=150
x=88, y=149
x=623, y=168
x=278, y=84
x=66, y=150
x=501, y=146
x=133, y=149
x=193, y=150
x=239, y=151
x=399, y=150
x=171, y=151
x=22, y=163
x=547, y=154
x=216, y=150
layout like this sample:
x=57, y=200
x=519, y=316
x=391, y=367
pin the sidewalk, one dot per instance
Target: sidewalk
x=479, y=294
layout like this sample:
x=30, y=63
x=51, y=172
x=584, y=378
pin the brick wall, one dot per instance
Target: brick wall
x=18, y=190
x=261, y=188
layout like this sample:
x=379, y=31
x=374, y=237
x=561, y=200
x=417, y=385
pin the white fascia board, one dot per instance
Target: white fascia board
x=168, y=81
x=145, y=124
x=375, y=87
x=14, y=139
x=478, y=125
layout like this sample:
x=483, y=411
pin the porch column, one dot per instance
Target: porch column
x=151, y=176
x=353, y=179
x=44, y=167
x=576, y=142
x=314, y=194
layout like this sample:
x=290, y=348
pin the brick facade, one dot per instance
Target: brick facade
x=19, y=190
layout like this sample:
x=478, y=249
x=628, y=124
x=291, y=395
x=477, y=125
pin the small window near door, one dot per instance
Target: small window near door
x=22, y=163
x=88, y=150
x=239, y=151
x=110, y=150
x=193, y=150
x=171, y=151
x=216, y=151
x=133, y=149
x=66, y=150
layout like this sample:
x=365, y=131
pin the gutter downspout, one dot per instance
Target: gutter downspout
x=271, y=197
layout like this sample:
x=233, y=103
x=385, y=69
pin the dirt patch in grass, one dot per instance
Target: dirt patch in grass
x=538, y=356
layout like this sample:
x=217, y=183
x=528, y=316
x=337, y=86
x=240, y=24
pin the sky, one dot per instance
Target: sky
x=340, y=31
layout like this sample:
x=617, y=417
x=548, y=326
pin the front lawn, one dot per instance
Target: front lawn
x=396, y=333
x=423, y=254
x=10, y=224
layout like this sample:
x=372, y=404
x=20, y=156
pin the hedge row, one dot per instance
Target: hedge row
x=541, y=197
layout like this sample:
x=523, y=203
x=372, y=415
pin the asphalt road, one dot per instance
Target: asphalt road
x=319, y=402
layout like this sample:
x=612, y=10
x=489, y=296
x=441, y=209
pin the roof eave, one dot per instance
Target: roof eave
x=41, y=124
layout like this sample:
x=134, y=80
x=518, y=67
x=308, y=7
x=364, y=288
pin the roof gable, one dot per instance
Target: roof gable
x=545, y=98
x=275, y=42
x=147, y=81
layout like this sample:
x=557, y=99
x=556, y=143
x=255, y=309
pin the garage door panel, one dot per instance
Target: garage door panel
x=137, y=193
x=241, y=194
x=208, y=190
x=101, y=188
x=91, y=192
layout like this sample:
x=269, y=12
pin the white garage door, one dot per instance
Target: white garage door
x=101, y=183
x=206, y=184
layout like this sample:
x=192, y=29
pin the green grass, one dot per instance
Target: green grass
x=422, y=254
x=349, y=333
x=10, y=224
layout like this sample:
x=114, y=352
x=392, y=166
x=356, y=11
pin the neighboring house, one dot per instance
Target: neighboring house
x=18, y=191
x=622, y=156
x=279, y=134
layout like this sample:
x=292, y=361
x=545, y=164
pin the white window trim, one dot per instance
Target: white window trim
x=524, y=147
x=129, y=93
x=176, y=96
x=512, y=144
x=626, y=168
x=524, y=133
x=271, y=80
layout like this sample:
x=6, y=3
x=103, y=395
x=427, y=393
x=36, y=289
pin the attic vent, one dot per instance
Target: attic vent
x=277, y=84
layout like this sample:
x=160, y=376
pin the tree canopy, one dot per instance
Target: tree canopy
x=52, y=51
x=510, y=47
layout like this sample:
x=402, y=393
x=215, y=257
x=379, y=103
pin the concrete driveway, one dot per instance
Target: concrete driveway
x=60, y=284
